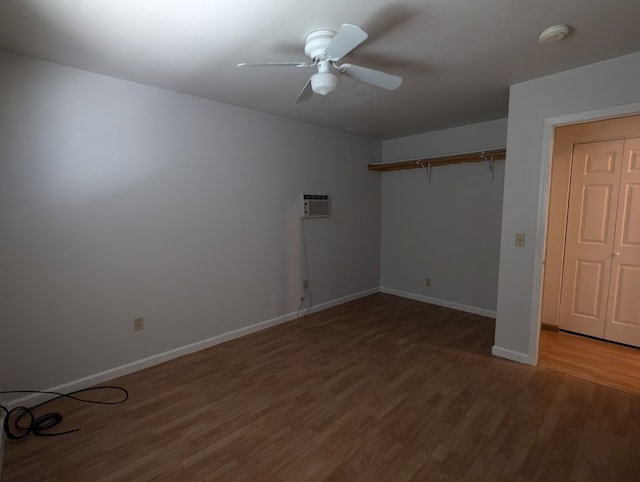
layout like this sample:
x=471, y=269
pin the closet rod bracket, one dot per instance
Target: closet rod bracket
x=490, y=165
x=427, y=171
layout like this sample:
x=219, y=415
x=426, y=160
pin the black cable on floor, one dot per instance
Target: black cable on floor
x=20, y=422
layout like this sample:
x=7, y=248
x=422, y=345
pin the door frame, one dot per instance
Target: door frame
x=550, y=123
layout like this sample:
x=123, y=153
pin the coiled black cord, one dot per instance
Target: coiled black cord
x=20, y=422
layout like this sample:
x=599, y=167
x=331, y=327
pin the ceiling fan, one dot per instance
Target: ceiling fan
x=325, y=47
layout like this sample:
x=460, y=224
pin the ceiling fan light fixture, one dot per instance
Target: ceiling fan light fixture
x=324, y=83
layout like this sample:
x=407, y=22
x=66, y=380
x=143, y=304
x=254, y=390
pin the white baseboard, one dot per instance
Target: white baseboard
x=435, y=301
x=511, y=355
x=152, y=360
x=339, y=301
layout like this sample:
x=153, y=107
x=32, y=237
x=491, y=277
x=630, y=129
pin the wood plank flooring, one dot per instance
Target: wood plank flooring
x=381, y=388
x=598, y=361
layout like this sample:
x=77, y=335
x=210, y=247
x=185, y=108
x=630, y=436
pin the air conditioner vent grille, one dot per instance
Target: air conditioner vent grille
x=316, y=206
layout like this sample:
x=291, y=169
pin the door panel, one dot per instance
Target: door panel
x=623, y=317
x=595, y=208
x=593, y=196
x=625, y=296
x=630, y=217
x=587, y=286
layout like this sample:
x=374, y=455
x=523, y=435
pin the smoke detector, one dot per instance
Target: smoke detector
x=554, y=34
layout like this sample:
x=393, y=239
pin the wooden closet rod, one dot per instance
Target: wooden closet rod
x=478, y=156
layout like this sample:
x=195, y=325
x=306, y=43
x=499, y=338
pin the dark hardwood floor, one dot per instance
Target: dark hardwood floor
x=381, y=388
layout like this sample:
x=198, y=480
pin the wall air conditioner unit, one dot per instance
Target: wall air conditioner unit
x=315, y=206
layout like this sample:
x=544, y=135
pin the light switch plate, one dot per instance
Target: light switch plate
x=520, y=240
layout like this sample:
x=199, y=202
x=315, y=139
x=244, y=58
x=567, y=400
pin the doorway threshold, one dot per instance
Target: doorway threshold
x=605, y=363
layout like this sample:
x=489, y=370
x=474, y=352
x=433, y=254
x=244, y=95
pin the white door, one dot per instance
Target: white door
x=593, y=196
x=623, y=312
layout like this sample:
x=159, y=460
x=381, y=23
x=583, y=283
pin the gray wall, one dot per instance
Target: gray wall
x=448, y=231
x=598, y=86
x=118, y=200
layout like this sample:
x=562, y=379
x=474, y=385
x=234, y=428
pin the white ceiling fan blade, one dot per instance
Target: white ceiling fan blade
x=305, y=93
x=371, y=76
x=348, y=38
x=276, y=64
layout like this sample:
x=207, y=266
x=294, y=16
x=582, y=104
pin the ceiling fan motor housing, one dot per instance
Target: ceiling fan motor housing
x=317, y=42
x=315, y=47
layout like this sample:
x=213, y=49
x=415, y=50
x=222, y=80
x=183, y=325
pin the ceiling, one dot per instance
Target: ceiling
x=457, y=57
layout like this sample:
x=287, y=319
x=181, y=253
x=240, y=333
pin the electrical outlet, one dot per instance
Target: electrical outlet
x=304, y=283
x=427, y=282
x=520, y=240
x=138, y=323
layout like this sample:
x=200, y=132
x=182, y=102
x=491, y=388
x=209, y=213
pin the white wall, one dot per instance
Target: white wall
x=598, y=86
x=119, y=200
x=448, y=231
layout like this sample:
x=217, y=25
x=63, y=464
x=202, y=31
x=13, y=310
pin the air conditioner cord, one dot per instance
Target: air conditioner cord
x=20, y=422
